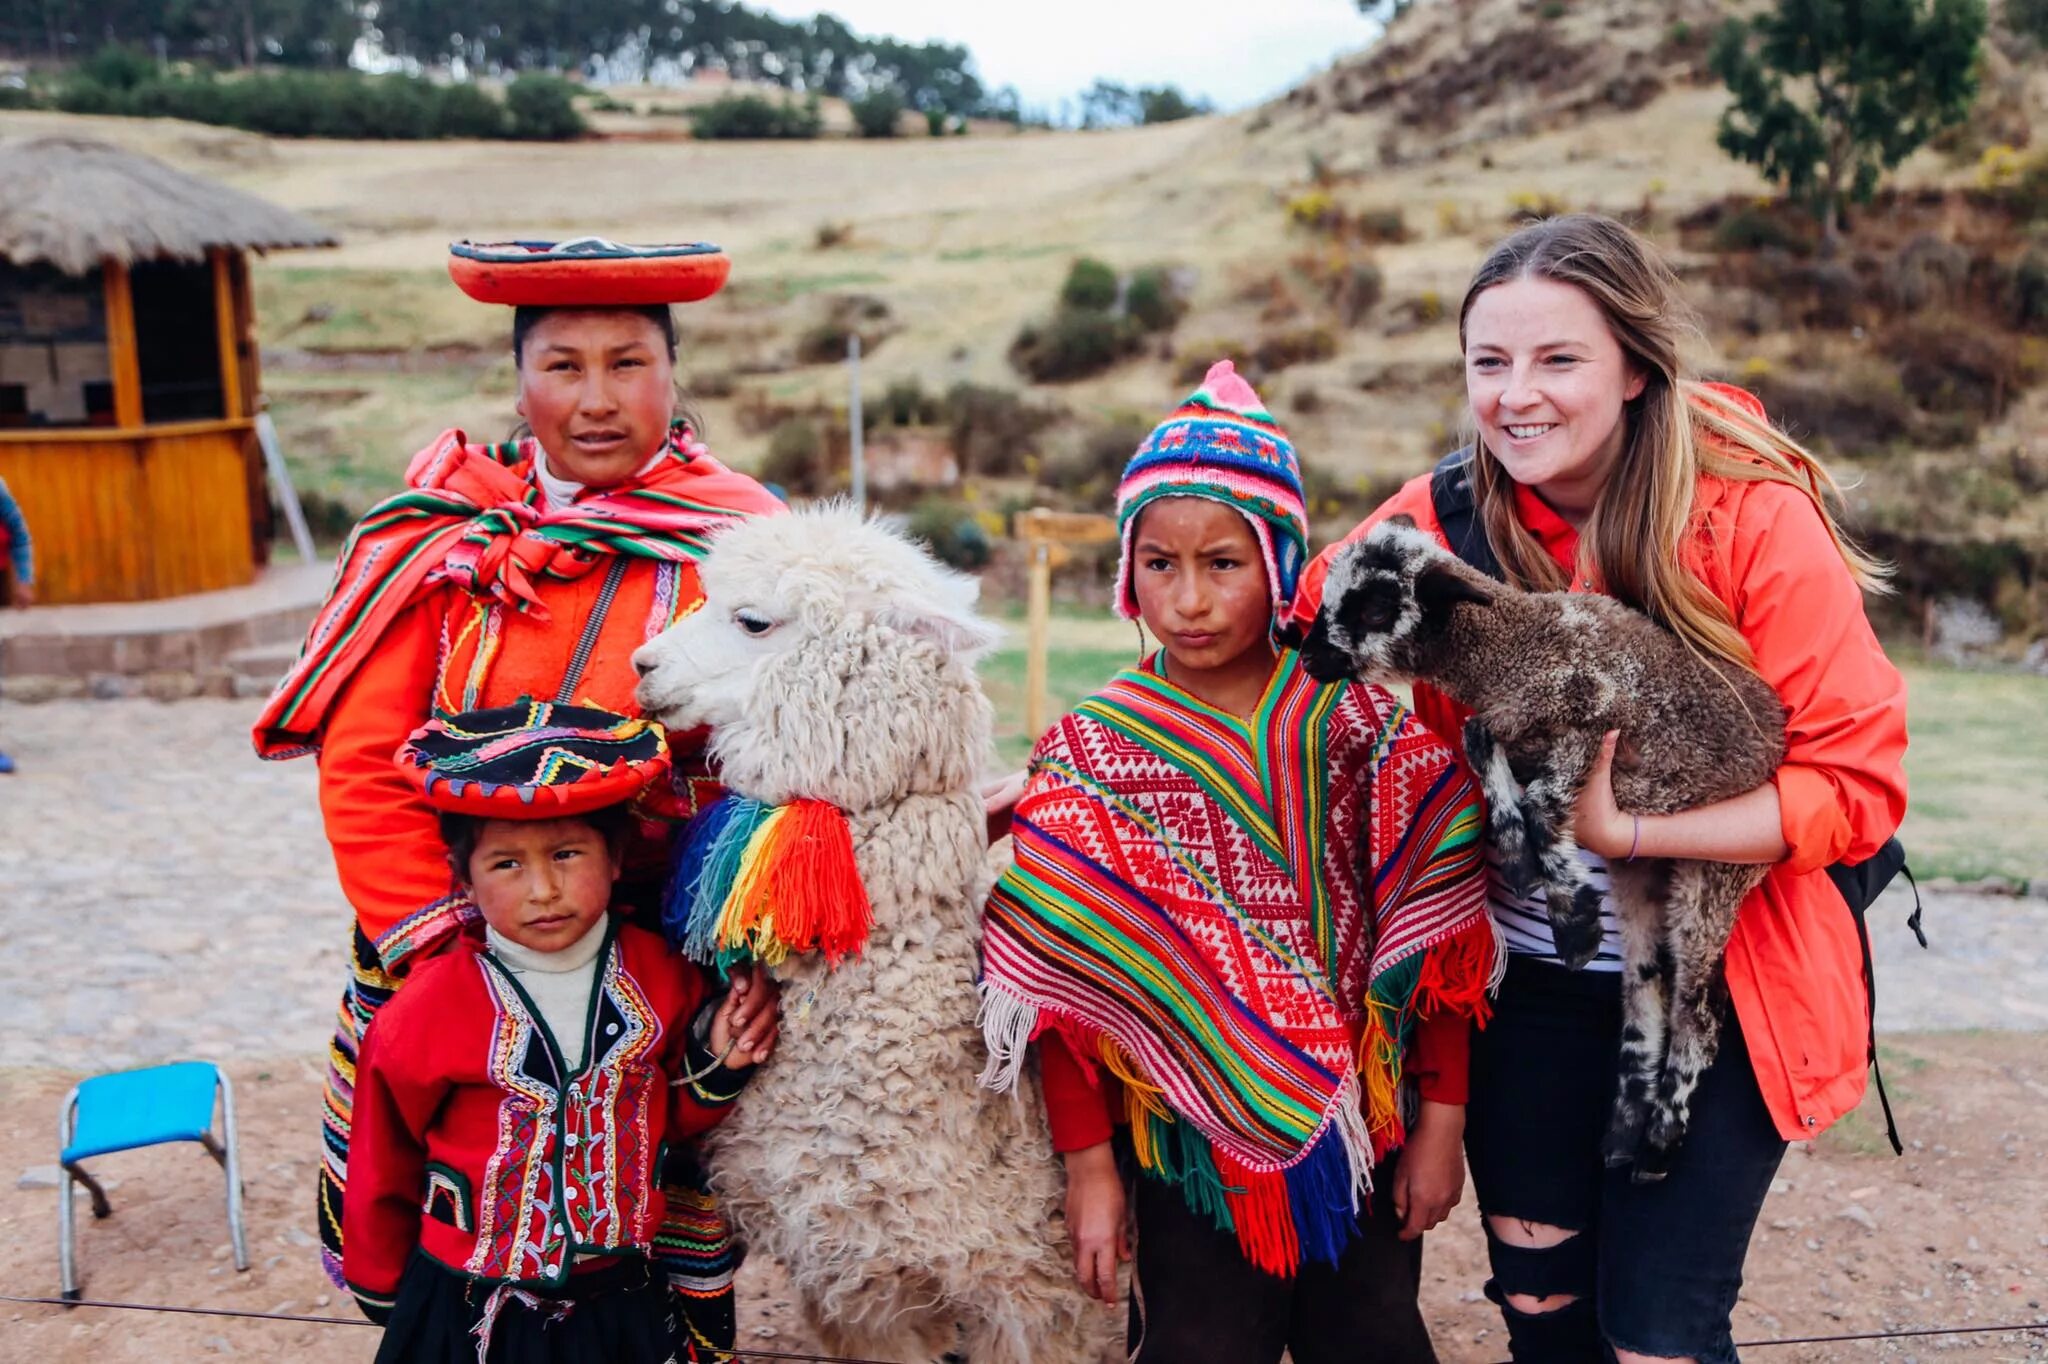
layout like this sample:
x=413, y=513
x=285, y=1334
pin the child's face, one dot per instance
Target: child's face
x=542, y=882
x=1200, y=582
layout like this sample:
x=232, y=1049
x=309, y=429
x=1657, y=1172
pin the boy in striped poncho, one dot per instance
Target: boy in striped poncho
x=1247, y=927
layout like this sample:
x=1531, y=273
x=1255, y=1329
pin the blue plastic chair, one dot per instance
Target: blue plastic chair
x=131, y=1108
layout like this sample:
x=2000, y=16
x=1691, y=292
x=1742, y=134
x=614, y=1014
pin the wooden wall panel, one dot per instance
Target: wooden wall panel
x=134, y=516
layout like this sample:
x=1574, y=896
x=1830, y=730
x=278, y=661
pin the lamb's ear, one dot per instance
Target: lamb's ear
x=947, y=618
x=1402, y=519
x=1443, y=586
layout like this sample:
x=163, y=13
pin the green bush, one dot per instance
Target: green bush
x=1951, y=365
x=118, y=68
x=1087, y=474
x=905, y=403
x=935, y=123
x=952, y=532
x=1090, y=284
x=1077, y=342
x=751, y=117
x=19, y=97
x=1152, y=300
x=877, y=112
x=543, y=109
x=796, y=459
x=331, y=104
x=1753, y=229
x=993, y=430
x=2026, y=290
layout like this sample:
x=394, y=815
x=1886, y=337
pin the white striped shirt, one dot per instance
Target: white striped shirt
x=1525, y=920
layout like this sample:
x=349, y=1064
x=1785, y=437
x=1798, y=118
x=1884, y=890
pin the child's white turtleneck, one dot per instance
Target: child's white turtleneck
x=559, y=984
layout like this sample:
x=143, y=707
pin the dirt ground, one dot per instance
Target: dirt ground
x=202, y=920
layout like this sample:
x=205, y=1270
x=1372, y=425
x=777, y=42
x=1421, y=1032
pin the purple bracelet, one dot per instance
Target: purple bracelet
x=1636, y=841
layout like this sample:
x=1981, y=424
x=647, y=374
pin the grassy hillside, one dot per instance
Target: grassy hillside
x=1324, y=241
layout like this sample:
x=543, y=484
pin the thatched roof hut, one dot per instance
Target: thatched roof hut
x=128, y=369
x=73, y=203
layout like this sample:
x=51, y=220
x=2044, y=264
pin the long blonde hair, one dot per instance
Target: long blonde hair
x=1677, y=430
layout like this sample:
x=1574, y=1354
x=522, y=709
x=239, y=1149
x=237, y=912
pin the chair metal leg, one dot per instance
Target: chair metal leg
x=67, y=1269
x=232, y=1166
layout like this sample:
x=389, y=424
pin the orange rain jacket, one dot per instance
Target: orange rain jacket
x=1795, y=966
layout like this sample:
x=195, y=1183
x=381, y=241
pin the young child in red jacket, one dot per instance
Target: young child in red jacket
x=513, y=1101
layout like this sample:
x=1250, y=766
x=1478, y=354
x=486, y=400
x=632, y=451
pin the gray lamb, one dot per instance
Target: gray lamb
x=1547, y=675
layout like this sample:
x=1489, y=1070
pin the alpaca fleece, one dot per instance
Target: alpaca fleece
x=917, y=1213
x=1547, y=675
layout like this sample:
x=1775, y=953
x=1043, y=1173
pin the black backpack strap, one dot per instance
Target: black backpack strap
x=1457, y=511
x=1844, y=876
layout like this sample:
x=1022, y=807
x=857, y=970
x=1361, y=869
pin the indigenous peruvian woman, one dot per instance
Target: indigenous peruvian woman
x=1246, y=927
x=528, y=569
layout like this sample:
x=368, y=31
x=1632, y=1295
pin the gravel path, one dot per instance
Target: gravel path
x=167, y=895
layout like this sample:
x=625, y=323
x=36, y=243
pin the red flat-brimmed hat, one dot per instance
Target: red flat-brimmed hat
x=588, y=272
x=533, y=760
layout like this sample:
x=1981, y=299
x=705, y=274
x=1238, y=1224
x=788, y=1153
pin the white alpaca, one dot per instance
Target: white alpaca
x=917, y=1213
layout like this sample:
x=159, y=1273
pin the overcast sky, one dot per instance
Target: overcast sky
x=1236, y=54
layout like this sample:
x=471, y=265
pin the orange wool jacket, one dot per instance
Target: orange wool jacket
x=1795, y=967
x=387, y=844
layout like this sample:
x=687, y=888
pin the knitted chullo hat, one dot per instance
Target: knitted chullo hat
x=1221, y=444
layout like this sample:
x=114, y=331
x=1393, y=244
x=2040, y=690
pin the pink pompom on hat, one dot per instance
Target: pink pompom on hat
x=1220, y=444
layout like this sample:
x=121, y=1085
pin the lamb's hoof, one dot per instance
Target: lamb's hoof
x=1650, y=1168
x=1575, y=926
x=1666, y=1133
x=1624, y=1137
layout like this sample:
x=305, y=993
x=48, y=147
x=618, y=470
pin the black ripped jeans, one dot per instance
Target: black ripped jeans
x=1654, y=1267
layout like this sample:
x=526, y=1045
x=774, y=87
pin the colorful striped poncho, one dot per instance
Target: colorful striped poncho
x=472, y=515
x=1243, y=919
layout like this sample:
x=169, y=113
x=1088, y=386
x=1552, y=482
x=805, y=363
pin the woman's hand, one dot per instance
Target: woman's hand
x=1095, y=1219
x=1430, y=1177
x=744, y=1029
x=999, y=796
x=1747, y=828
x=1597, y=822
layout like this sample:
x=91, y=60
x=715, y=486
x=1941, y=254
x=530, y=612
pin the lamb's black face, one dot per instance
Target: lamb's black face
x=1367, y=598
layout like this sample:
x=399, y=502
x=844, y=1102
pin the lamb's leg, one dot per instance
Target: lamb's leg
x=1700, y=914
x=1548, y=801
x=1639, y=891
x=1504, y=827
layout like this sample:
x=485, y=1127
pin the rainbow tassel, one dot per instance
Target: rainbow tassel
x=758, y=882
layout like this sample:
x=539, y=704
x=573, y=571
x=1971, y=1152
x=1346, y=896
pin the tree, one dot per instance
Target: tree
x=877, y=112
x=1166, y=104
x=2028, y=17
x=1106, y=104
x=1831, y=94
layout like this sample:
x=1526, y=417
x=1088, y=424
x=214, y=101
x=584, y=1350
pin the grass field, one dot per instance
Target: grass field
x=1977, y=764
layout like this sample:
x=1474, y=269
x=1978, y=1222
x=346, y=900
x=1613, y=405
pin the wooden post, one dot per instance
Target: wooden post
x=121, y=355
x=1038, y=626
x=226, y=326
x=1046, y=534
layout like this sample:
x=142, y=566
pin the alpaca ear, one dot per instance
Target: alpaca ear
x=1442, y=586
x=947, y=619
